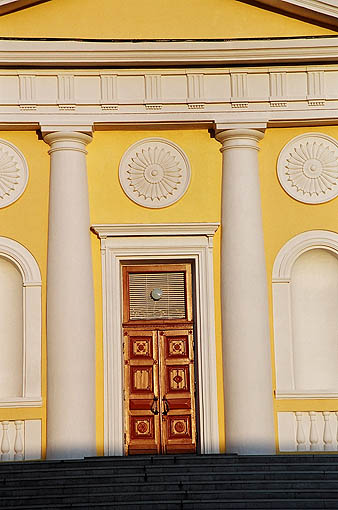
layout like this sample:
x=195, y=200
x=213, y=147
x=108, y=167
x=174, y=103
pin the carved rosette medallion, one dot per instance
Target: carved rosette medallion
x=154, y=172
x=13, y=173
x=307, y=168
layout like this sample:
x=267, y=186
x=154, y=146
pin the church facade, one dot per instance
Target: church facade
x=168, y=228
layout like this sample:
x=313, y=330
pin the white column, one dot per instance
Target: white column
x=70, y=303
x=245, y=319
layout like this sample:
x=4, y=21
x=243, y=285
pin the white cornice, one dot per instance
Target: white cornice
x=162, y=229
x=135, y=54
x=322, y=11
x=7, y=6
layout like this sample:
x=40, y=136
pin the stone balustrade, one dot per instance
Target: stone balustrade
x=20, y=440
x=312, y=431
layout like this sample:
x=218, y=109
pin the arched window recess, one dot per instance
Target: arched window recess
x=305, y=306
x=21, y=385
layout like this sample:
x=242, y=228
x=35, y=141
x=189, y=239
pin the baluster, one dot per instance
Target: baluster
x=18, y=443
x=314, y=438
x=5, y=446
x=327, y=436
x=300, y=436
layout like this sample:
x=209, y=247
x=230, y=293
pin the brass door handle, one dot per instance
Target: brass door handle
x=166, y=407
x=154, y=408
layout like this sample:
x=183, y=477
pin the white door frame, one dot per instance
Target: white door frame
x=193, y=241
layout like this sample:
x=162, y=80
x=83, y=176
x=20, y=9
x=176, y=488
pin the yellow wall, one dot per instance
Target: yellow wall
x=109, y=204
x=26, y=221
x=283, y=218
x=151, y=19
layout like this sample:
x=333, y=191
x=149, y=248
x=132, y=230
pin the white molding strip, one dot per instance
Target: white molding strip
x=299, y=244
x=7, y=6
x=314, y=10
x=23, y=259
x=162, y=229
x=191, y=242
x=187, y=53
x=20, y=402
x=303, y=395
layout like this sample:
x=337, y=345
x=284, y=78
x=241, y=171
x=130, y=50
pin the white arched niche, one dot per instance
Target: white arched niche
x=305, y=305
x=11, y=330
x=20, y=326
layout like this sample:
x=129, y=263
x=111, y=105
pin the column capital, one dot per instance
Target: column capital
x=239, y=138
x=67, y=140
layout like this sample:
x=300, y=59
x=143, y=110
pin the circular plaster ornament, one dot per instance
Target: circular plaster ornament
x=13, y=173
x=307, y=168
x=154, y=172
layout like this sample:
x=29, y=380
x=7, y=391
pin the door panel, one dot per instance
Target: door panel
x=177, y=390
x=142, y=427
x=159, y=391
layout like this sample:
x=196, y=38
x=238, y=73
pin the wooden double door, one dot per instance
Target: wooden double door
x=159, y=384
x=159, y=391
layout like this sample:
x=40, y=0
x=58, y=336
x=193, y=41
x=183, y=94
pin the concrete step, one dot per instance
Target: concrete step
x=158, y=495
x=184, y=482
x=169, y=504
x=181, y=485
x=279, y=476
x=66, y=470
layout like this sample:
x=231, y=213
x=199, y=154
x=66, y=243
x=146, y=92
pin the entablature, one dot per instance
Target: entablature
x=281, y=95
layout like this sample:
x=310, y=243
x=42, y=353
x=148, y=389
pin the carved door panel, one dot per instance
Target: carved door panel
x=177, y=384
x=142, y=424
x=159, y=391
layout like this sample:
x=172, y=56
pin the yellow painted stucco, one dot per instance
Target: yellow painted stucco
x=26, y=221
x=152, y=19
x=284, y=218
x=109, y=204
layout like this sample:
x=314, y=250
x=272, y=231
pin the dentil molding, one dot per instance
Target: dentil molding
x=154, y=172
x=13, y=173
x=307, y=168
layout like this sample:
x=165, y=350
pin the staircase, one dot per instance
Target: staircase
x=172, y=482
